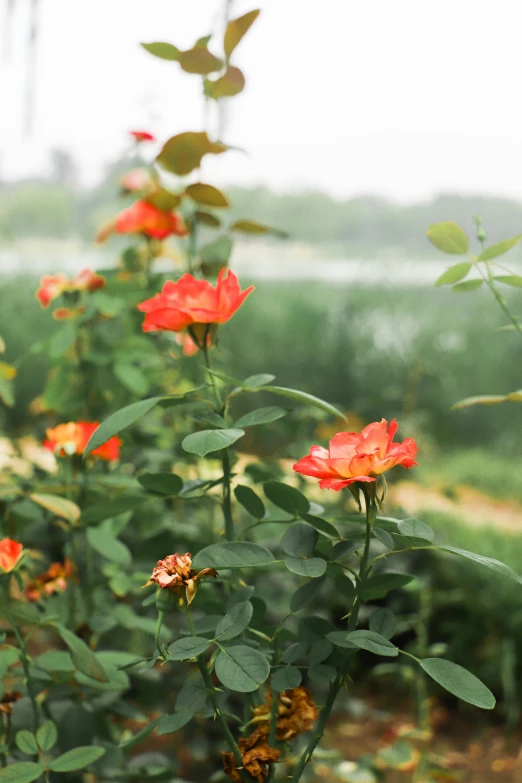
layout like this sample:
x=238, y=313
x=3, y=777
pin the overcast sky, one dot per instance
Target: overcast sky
x=403, y=98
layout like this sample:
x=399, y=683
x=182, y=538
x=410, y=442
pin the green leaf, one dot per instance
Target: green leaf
x=459, y=681
x=286, y=497
x=140, y=735
x=303, y=397
x=285, y=678
x=257, y=229
x=299, y=540
x=261, y=379
x=499, y=249
x=320, y=524
x=189, y=647
x=207, y=195
x=234, y=622
x=448, y=237
x=119, y=421
x=207, y=219
x=61, y=507
x=236, y=29
x=168, y=724
x=484, y=399
x=515, y=281
x=339, y=639
x=231, y=83
x=312, y=567
x=416, y=529
x=320, y=650
x=184, y=152
x=322, y=673
x=199, y=60
x=77, y=758
x=233, y=554
x=207, y=441
x=47, y=735
x=82, y=656
x=454, y=273
x=217, y=252
x=384, y=537
x=111, y=508
x=164, y=51
x=162, y=483
x=108, y=546
x=378, y=586
x=383, y=622
x=26, y=742
x=373, y=642
x=487, y=562
x=21, y=772
x=261, y=416
x=467, y=285
x=241, y=668
x=250, y=501
x=306, y=593
x=345, y=548
x=294, y=652
x=132, y=378
x=62, y=340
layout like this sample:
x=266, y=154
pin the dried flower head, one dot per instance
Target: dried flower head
x=55, y=580
x=256, y=754
x=8, y=700
x=296, y=713
x=175, y=573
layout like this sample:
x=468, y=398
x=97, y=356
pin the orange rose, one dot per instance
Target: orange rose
x=355, y=456
x=190, y=302
x=10, y=552
x=72, y=438
x=53, y=286
x=54, y=580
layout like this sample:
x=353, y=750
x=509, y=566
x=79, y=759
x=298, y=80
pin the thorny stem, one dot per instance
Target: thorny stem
x=211, y=690
x=335, y=687
x=159, y=624
x=24, y=657
x=225, y=460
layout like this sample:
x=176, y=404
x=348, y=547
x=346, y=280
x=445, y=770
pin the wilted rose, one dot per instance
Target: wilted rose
x=358, y=456
x=256, y=755
x=296, y=713
x=175, y=573
x=55, y=580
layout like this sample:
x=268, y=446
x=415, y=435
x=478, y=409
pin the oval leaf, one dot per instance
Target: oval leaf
x=383, y=622
x=199, y=60
x=26, y=742
x=515, y=281
x=286, y=677
x=82, y=656
x=77, y=758
x=164, y=51
x=47, y=735
x=488, y=562
x=119, y=421
x=377, y=586
x=21, y=772
x=454, y=274
x=235, y=621
x=183, y=153
x=499, y=249
x=168, y=724
x=207, y=195
x=416, y=529
x=373, y=642
x=299, y=540
x=236, y=29
x=233, y=554
x=459, y=682
x=61, y=507
x=108, y=546
x=261, y=416
x=207, y=441
x=484, y=399
x=313, y=567
x=467, y=285
x=286, y=497
x=190, y=647
x=306, y=593
x=448, y=237
x=241, y=668
x=305, y=398
x=162, y=483
x=261, y=379
x=250, y=501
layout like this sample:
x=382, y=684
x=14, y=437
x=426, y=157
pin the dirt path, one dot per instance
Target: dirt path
x=468, y=504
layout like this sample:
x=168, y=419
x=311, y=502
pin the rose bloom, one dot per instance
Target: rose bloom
x=142, y=136
x=54, y=580
x=190, y=302
x=136, y=180
x=175, y=573
x=146, y=219
x=72, y=438
x=10, y=553
x=358, y=456
x=53, y=286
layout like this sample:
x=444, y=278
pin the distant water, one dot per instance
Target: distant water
x=268, y=264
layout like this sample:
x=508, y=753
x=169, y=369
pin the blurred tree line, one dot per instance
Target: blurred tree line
x=58, y=206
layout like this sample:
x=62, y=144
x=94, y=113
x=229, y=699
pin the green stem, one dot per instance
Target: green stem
x=207, y=679
x=24, y=657
x=335, y=687
x=490, y=282
x=192, y=244
x=159, y=625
